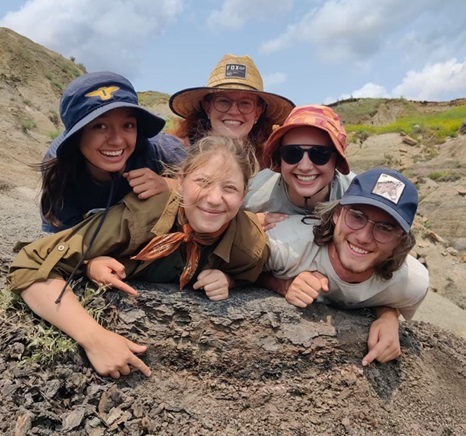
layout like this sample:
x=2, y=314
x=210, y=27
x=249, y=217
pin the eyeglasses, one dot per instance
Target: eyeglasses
x=244, y=105
x=382, y=232
x=318, y=154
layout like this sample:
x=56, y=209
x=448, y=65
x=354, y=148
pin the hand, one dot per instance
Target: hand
x=384, y=339
x=305, y=288
x=215, y=284
x=105, y=270
x=268, y=220
x=113, y=355
x=146, y=183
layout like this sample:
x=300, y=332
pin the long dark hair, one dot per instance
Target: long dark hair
x=60, y=175
x=323, y=235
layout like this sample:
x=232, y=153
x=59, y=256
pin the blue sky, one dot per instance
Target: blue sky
x=311, y=51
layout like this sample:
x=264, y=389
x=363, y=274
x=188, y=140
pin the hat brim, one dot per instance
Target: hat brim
x=188, y=101
x=149, y=123
x=274, y=142
x=357, y=199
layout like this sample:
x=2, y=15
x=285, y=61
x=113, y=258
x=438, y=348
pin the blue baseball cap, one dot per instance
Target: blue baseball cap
x=386, y=189
x=93, y=94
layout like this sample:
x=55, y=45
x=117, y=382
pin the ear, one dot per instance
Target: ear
x=336, y=214
x=207, y=107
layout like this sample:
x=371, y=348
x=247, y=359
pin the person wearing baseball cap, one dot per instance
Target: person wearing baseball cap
x=306, y=165
x=110, y=146
x=233, y=104
x=355, y=254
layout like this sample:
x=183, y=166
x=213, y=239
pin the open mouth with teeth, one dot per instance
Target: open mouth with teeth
x=302, y=178
x=107, y=153
x=357, y=249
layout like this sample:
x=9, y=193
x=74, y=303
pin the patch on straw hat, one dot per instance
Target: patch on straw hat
x=232, y=73
x=322, y=117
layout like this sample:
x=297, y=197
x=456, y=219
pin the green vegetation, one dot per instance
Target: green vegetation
x=417, y=119
x=44, y=342
x=152, y=98
x=444, y=176
x=53, y=135
x=26, y=123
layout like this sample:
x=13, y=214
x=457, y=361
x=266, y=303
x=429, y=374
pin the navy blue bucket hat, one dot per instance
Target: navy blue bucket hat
x=386, y=189
x=93, y=94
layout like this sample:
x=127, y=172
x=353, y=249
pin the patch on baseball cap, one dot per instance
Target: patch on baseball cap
x=389, y=187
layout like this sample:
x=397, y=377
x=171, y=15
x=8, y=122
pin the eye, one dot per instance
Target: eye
x=231, y=188
x=385, y=228
x=129, y=125
x=223, y=100
x=203, y=182
x=98, y=126
x=357, y=216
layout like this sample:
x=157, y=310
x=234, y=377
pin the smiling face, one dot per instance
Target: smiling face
x=213, y=193
x=305, y=179
x=355, y=253
x=108, y=141
x=233, y=122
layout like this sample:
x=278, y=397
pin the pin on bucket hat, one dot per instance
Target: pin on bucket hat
x=386, y=189
x=93, y=94
x=322, y=117
x=232, y=73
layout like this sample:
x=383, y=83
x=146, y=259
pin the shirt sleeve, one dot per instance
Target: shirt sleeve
x=167, y=149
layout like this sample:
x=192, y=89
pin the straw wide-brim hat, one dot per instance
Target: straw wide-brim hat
x=232, y=73
x=319, y=116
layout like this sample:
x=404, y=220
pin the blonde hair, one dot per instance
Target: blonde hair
x=233, y=149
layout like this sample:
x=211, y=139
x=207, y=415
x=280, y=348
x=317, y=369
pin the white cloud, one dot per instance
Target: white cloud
x=434, y=82
x=104, y=34
x=438, y=82
x=234, y=14
x=272, y=80
x=354, y=30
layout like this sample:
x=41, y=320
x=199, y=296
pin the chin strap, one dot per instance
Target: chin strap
x=115, y=177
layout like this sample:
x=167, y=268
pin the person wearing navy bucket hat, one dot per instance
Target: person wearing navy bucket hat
x=110, y=146
x=355, y=254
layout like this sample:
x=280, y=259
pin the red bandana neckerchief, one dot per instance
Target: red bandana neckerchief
x=164, y=245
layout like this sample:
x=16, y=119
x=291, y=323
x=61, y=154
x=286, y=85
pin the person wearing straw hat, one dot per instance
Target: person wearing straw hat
x=306, y=165
x=110, y=146
x=233, y=103
x=355, y=254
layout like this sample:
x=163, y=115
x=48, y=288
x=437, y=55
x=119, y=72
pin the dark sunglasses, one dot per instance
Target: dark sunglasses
x=318, y=154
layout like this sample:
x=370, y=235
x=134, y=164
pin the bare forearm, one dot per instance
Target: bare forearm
x=269, y=281
x=68, y=316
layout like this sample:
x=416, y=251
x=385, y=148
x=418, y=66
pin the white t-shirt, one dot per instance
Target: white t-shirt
x=293, y=251
x=267, y=193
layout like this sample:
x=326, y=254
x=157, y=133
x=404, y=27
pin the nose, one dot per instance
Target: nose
x=214, y=195
x=366, y=233
x=305, y=162
x=115, y=137
x=234, y=107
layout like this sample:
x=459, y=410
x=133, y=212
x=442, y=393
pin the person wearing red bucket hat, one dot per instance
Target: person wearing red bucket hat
x=355, y=254
x=233, y=103
x=110, y=146
x=306, y=165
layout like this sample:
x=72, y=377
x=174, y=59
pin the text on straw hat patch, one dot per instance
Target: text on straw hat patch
x=389, y=187
x=235, y=70
x=104, y=93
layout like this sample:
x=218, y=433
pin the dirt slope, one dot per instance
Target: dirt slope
x=252, y=365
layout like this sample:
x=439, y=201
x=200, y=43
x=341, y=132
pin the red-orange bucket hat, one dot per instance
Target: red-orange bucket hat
x=318, y=116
